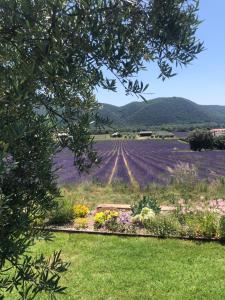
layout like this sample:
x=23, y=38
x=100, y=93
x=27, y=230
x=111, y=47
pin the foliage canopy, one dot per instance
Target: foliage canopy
x=200, y=139
x=219, y=142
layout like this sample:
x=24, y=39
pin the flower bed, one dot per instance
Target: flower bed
x=146, y=217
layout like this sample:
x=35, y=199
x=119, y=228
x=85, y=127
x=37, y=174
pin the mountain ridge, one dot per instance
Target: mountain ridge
x=163, y=110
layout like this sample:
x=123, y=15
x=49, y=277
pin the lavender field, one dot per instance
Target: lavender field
x=140, y=162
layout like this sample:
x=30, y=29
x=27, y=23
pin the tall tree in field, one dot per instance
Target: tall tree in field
x=53, y=54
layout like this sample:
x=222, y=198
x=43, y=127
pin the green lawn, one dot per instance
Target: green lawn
x=109, y=267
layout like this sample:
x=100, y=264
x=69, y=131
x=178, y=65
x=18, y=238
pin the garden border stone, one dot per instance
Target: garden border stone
x=95, y=232
x=127, y=207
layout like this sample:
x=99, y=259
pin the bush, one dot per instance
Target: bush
x=99, y=219
x=81, y=223
x=200, y=139
x=112, y=224
x=80, y=210
x=125, y=223
x=163, y=225
x=103, y=218
x=219, y=143
x=146, y=213
x=146, y=201
x=222, y=227
x=62, y=213
x=201, y=224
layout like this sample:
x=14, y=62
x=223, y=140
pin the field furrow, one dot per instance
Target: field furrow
x=140, y=162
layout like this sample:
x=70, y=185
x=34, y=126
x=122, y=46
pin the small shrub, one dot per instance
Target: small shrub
x=62, y=213
x=146, y=214
x=201, y=224
x=80, y=210
x=163, y=225
x=125, y=218
x=104, y=217
x=112, y=224
x=222, y=227
x=192, y=227
x=210, y=225
x=81, y=223
x=148, y=202
x=125, y=223
x=99, y=219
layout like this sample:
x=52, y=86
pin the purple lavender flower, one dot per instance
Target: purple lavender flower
x=125, y=218
x=148, y=162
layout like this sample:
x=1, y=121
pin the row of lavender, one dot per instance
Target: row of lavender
x=147, y=161
x=151, y=160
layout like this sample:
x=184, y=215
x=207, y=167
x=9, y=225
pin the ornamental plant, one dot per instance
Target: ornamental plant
x=146, y=201
x=217, y=206
x=125, y=223
x=201, y=224
x=99, y=219
x=104, y=217
x=80, y=210
x=62, y=213
x=81, y=223
x=112, y=224
x=146, y=214
x=125, y=218
x=163, y=225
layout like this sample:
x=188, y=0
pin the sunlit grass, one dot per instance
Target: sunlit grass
x=93, y=194
x=104, y=267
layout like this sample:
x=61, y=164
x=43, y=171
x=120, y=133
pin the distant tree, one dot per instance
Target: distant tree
x=200, y=139
x=53, y=55
x=219, y=142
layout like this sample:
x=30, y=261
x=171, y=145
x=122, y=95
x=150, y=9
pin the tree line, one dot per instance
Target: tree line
x=204, y=140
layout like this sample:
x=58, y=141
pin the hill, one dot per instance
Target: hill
x=162, y=111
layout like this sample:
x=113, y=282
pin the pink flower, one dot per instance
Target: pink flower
x=220, y=202
x=213, y=203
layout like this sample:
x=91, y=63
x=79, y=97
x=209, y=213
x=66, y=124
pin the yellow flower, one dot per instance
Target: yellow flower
x=80, y=210
x=81, y=223
x=100, y=218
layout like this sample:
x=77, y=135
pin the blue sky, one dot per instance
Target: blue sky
x=204, y=80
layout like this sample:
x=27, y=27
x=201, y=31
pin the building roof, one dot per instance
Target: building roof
x=217, y=129
x=145, y=132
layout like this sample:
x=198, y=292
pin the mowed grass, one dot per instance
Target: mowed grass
x=110, y=267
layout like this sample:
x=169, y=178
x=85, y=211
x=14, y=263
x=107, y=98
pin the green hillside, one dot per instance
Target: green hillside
x=160, y=111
